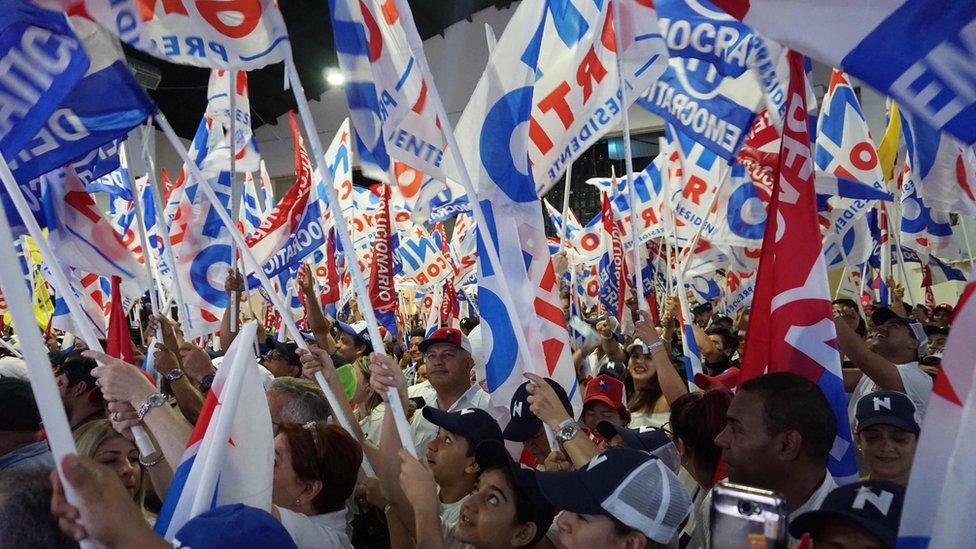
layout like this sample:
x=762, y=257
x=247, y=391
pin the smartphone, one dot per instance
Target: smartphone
x=743, y=516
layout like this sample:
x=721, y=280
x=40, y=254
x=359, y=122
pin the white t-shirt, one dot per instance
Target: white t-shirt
x=450, y=515
x=326, y=531
x=372, y=424
x=918, y=387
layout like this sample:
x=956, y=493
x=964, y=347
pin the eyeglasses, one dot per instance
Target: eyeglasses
x=272, y=354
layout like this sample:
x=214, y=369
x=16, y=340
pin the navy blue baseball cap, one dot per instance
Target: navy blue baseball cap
x=629, y=485
x=652, y=440
x=886, y=408
x=492, y=454
x=234, y=526
x=524, y=424
x=874, y=505
x=474, y=424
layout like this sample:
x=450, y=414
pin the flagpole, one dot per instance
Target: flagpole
x=143, y=239
x=476, y=210
x=235, y=192
x=184, y=311
x=342, y=231
x=564, y=230
x=39, y=369
x=629, y=166
x=901, y=255
x=256, y=268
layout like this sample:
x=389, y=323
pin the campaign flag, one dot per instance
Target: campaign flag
x=556, y=219
x=264, y=190
x=792, y=327
x=251, y=214
x=382, y=293
x=44, y=60
x=233, y=435
x=613, y=290
x=575, y=98
x=449, y=301
x=422, y=264
x=228, y=35
x=84, y=120
x=201, y=242
x=925, y=76
x=923, y=229
x=494, y=137
x=326, y=272
x=116, y=183
x=935, y=271
x=464, y=249
x=242, y=144
x=740, y=286
x=87, y=289
x=647, y=187
x=937, y=480
x=945, y=168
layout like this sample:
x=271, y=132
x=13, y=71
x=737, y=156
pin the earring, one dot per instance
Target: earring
x=298, y=501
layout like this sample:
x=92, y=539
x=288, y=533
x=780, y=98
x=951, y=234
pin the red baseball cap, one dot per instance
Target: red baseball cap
x=606, y=389
x=446, y=335
x=728, y=380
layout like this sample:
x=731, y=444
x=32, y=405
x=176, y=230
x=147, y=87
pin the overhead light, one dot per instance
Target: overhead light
x=334, y=77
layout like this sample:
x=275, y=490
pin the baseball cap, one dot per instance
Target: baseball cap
x=886, y=408
x=492, y=454
x=524, y=424
x=288, y=351
x=728, y=380
x=18, y=409
x=234, y=526
x=446, y=335
x=884, y=314
x=932, y=329
x=702, y=308
x=874, y=505
x=606, y=389
x=631, y=486
x=653, y=440
x=474, y=424
x=357, y=330
x=942, y=307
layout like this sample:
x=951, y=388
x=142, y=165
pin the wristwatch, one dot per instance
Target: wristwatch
x=173, y=375
x=567, y=430
x=154, y=400
x=206, y=382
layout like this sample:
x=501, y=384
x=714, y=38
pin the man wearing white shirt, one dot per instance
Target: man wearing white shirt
x=447, y=355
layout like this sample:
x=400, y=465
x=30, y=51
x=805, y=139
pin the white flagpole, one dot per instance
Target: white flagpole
x=564, y=229
x=177, y=293
x=147, y=257
x=342, y=231
x=235, y=191
x=465, y=179
x=642, y=304
x=39, y=369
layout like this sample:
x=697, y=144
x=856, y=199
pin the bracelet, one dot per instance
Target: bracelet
x=386, y=510
x=654, y=346
x=151, y=463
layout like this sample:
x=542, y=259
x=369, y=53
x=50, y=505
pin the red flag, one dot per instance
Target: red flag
x=119, y=337
x=449, y=304
x=791, y=327
x=382, y=295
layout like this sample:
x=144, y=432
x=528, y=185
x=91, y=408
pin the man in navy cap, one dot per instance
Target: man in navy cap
x=526, y=427
x=621, y=498
x=862, y=514
x=886, y=435
x=652, y=440
x=891, y=361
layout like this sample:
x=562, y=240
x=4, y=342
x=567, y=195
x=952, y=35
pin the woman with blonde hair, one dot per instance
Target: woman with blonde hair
x=99, y=441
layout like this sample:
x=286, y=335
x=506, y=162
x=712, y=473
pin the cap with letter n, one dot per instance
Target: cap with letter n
x=629, y=485
x=873, y=505
x=474, y=424
x=886, y=408
x=524, y=424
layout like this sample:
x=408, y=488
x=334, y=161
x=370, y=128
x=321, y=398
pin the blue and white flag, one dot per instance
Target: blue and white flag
x=923, y=229
x=493, y=134
x=650, y=201
x=85, y=120
x=944, y=168
x=919, y=53
x=43, y=61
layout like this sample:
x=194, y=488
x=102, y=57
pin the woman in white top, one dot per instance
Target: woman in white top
x=646, y=404
x=367, y=403
x=314, y=474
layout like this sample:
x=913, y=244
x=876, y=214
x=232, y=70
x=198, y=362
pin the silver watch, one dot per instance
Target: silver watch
x=173, y=375
x=567, y=430
x=154, y=400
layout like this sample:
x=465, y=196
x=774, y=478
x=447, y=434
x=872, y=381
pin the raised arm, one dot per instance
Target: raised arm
x=881, y=370
x=317, y=323
x=671, y=383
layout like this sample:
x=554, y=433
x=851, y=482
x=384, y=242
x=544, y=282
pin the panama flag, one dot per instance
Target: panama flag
x=792, y=328
x=230, y=455
x=493, y=135
x=941, y=483
x=923, y=229
x=613, y=290
x=928, y=76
